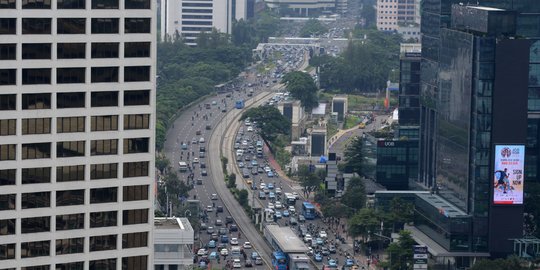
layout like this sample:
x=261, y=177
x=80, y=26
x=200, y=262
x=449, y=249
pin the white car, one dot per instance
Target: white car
x=270, y=205
x=209, y=208
x=196, y=160
x=224, y=252
x=236, y=263
x=323, y=234
x=296, y=195
x=308, y=238
x=278, y=205
x=214, y=196
x=278, y=191
x=247, y=245
x=201, y=140
x=250, y=129
x=202, y=252
x=244, y=143
x=234, y=241
x=262, y=186
x=267, y=169
x=292, y=209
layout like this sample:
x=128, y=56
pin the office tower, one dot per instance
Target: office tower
x=391, y=14
x=77, y=133
x=409, y=90
x=188, y=18
x=397, y=163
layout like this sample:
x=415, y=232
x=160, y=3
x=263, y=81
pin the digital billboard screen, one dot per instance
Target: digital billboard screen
x=508, y=174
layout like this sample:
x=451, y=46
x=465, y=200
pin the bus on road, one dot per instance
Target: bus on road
x=308, y=210
x=239, y=104
x=279, y=260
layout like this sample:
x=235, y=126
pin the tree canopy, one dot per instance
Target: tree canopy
x=363, y=223
x=313, y=27
x=269, y=120
x=401, y=252
x=354, y=156
x=511, y=263
x=302, y=87
x=355, y=195
x=309, y=180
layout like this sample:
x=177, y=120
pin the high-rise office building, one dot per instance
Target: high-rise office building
x=393, y=13
x=77, y=97
x=409, y=90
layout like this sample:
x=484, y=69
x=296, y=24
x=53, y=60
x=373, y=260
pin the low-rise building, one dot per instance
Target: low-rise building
x=173, y=243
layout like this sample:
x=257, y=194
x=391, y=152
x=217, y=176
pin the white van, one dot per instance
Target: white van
x=201, y=140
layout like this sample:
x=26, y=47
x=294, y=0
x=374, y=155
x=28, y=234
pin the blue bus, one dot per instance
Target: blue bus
x=239, y=104
x=279, y=261
x=308, y=210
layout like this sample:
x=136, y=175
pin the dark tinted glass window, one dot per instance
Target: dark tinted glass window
x=5, y=4
x=8, y=102
x=103, y=195
x=36, y=200
x=70, y=75
x=7, y=178
x=70, y=50
x=36, y=101
x=70, y=149
x=135, y=169
x=104, y=26
x=36, y=4
x=36, y=150
x=104, y=99
x=70, y=100
x=105, y=50
x=7, y=202
x=136, y=97
x=135, y=193
x=104, y=4
x=104, y=123
x=137, y=74
x=103, y=171
x=71, y=4
x=36, y=76
x=103, y=219
x=8, y=26
x=36, y=126
x=36, y=26
x=137, y=25
x=135, y=240
x=137, y=4
x=137, y=49
x=8, y=127
x=104, y=74
x=70, y=197
x=8, y=151
x=8, y=51
x=7, y=226
x=136, y=145
x=36, y=175
x=70, y=173
x=135, y=263
x=103, y=242
x=69, y=246
x=36, y=51
x=71, y=26
x=38, y=267
x=70, y=222
x=135, y=216
x=70, y=266
x=7, y=252
x=70, y=124
x=36, y=224
x=35, y=249
x=104, y=147
x=136, y=121
x=106, y=264
x=8, y=76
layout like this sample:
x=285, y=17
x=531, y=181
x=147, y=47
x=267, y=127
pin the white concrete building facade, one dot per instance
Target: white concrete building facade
x=393, y=13
x=77, y=121
x=173, y=244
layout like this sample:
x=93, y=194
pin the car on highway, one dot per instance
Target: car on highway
x=254, y=255
x=202, y=164
x=219, y=209
x=323, y=234
x=213, y=255
x=286, y=213
x=218, y=222
x=278, y=205
x=307, y=238
x=332, y=263
x=277, y=214
x=228, y=220
x=278, y=191
x=292, y=209
x=318, y=257
x=194, y=141
x=301, y=218
x=204, y=173
x=247, y=245
x=349, y=262
x=203, y=226
x=319, y=241
x=214, y=196
x=233, y=228
x=224, y=239
x=248, y=263
x=270, y=174
x=262, y=186
x=210, y=230
x=258, y=261
x=254, y=163
x=215, y=236
x=209, y=208
x=184, y=146
x=267, y=169
x=260, y=170
x=234, y=241
x=271, y=195
x=212, y=244
x=270, y=186
x=270, y=205
x=201, y=140
x=240, y=164
x=195, y=160
x=222, y=231
x=224, y=252
x=202, y=252
x=332, y=249
x=250, y=129
x=262, y=196
x=293, y=221
x=199, y=181
x=295, y=194
x=236, y=263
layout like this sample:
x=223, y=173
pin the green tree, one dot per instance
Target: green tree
x=313, y=27
x=400, y=212
x=354, y=156
x=363, y=223
x=162, y=163
x=308, y=180
x=401, y=253
x=335, y=209
x=510, y=263
x=243, y=197
x=302, y=87
x=269, y=120
x=355, y=195
x=231, y=180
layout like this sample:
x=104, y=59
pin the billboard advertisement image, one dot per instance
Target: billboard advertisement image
x=508, y=175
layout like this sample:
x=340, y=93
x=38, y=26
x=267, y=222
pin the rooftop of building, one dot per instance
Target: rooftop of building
x=445, y=207
x=410, y=48
x=286, y=239
x=319, y=110
x=168, y=223
x=486, y=8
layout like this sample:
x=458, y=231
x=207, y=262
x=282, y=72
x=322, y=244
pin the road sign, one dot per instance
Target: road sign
x=420, y=261
x=420, y=256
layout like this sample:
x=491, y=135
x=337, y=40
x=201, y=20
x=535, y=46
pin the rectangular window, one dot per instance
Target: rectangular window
x=8, y=127
x=35, y=249
x=36, y=4
x=135, y=216
x=7, y=151
x=105, y=50
x=36, y=51
x=103, y=242
x=104, y=99
x=36, y=76
x=70, y=173
x=8, y=102
x=70, y=100
x=104, y=195
x=8, y=76
x=137, y=25
x=136, y=49
x=70, y=124
x=7, y=177
x=71, y=4
x=105, y=264
x=135, y=240
x=135, y=193
x=8, y=51
x=104, y=171
x=137, y=4
x=36, y=101
x=136, y=145
x=104, y=123
x=70, y=75
x=103, y=219
x=70, y=197
x=70, y=50
x=8, y=26
x=104, y=4
x=70, y=149
x=135, y=263
x=7, y=202
x=36, y=150
x=70, y=266
x=104, y=74
x=7, y=252
x=36, y=200
x=104, y=147
x=137, y=74
x=135, y=169
x=36, y=224
x=136, y=97
x=71, y=26
x=70, y=222
x=36, y=126
x=69, y=246
x=7, y=4
x=104, y=25
x=36, y=175
x=36, y=26
x=7, y=226
x=136, y=121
